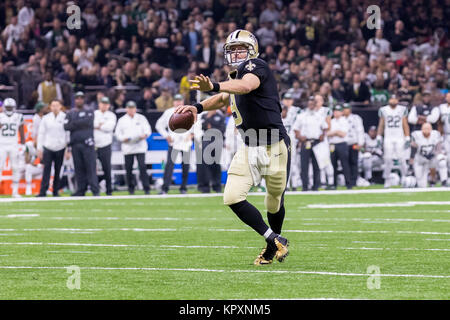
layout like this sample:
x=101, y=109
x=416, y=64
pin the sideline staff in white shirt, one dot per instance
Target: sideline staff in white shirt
x=178, y=142
x=104, y=124
x=309, y=128
x=52, y=141
x=355, y=140
x=132, y=131
x=338, y=144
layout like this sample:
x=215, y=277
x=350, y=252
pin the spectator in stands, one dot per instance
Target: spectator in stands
x=399, y=39
x=57, y=33
x=147, y=103
x=185, y=86
x=119, y=100
x=270, y=14
x=337, y=90
x=105, y=79
x=205, y=57
x=83, y=56
x=378, y=46
x=266, y=34
x=164, y=101
x=132, y=131
x=192, y=39
x=12, y=32
x=146, y=80
x=4, y=78
x=358, y=92
x=166, y=82
x=48, y=89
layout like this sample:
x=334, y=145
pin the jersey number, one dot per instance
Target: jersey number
x=234, y=110
x=426, y=150
x=393, y=121
x=9, y=130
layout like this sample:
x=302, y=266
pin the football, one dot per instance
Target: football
x=183, y=120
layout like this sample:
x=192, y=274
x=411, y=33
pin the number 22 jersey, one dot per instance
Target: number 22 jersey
x=393, y=121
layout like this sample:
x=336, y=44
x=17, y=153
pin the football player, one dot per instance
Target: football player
x=426, y=147
x=444, y=109
x=394, y=126
x=11, y=127
x=29, y=165
x=251, y=90
x=372, y=155
x=289, y=114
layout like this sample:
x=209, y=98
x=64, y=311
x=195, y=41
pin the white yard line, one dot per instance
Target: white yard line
x=210, y=195
x=236, y=271
x=204, y=247
x=220, y=230
x=373, y=205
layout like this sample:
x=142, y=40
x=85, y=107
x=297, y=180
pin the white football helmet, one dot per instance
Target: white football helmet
x=409, y=182
x=10, y=106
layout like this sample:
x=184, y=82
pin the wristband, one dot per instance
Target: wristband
x=199, y=107
x=216, y=87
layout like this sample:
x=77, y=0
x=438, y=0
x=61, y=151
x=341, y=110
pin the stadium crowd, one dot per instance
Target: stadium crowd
x=321, y=52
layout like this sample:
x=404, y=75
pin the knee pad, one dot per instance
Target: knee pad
x=231, y=196
x=272, y=203
x=442, y=160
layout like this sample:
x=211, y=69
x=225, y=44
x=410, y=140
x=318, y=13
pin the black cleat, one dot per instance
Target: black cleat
x=282, y=245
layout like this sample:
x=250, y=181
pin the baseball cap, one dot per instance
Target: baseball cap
x=338, y=107
x=178, y=96
x=287, y=95
x=104, y=100
x=426, y=91
x=39, y=106
x=373, y=128
x=131, y=104
x=79, y=94
x=347, y=106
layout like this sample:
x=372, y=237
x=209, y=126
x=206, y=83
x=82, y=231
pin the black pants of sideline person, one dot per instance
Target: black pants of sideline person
x=168, y=169
x=129, y=160
x=305, y=156
x=341, y=153
x=84, y=160
x=104, y=155
x=50, y=158
x=212, y=168
x=353, y=163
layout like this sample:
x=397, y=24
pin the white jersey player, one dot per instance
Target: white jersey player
x=288, y=116
x=11, y=126
x=372, y=155
x=427, y=144
x=444, y=110
x=27, y=165
x=394, y=126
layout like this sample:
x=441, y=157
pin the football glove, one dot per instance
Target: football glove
x=407, y=142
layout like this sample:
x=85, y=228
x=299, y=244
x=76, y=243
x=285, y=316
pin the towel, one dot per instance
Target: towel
x=259, y=161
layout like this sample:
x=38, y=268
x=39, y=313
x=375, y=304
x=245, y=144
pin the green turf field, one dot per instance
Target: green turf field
x=196, y=248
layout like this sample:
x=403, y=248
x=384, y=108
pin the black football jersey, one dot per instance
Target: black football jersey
x=259, y=109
